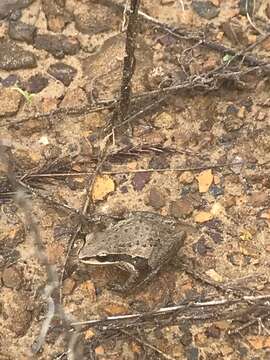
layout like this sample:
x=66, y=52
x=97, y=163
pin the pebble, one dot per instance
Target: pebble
x=11, y=80
x=56, y=14
x=36, y=83
x=200, y=247
x=186, y=177
x=13, y=57
x=94, y=19
x=9, y=101
x=205, y=9
x=12, y=278
x=21, y=32
x=57, y=45
x=62, y=72
x=10, y=6
x=140, y=179
x=156, y=198
x=181, y=208
x=203, y=216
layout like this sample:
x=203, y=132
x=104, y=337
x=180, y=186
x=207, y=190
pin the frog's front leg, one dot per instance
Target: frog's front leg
x=132, y=279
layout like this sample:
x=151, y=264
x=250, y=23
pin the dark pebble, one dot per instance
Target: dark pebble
x=156, y=198
x=57, y=45
x=22, y=32
x=11, y=80
x=140, y=179
x=10, y=7
x=205, y=9
x=36, y=83
x=62, y=72
x=12, y=278
x=200, y=247
x=215, y=236
x=13, y=57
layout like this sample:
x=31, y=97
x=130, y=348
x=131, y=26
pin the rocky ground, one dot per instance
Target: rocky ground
x=198, y=151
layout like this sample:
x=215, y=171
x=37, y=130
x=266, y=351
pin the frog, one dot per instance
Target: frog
x=141, y=244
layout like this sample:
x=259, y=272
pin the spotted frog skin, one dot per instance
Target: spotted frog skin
x=140, y=244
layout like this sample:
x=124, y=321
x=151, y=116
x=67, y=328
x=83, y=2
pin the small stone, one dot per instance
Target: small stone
x=203, y=216
x=13, y=57
x=9, y=101
x=181, y=208
x=12, y=278
x=205, y=9
x=36, y=83
x=205, y=179
x=164, y=121
x=57, y=45
x=56, y=14
x=62, y=72
x=186, y=177
x=11, y=80
x=94, y=18
x=200, y=247
x=68, y=286
x=21, y=32
x=156, y=198
x=140, y=179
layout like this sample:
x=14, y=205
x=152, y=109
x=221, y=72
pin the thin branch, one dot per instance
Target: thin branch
x=129, y=65
x=177, y=308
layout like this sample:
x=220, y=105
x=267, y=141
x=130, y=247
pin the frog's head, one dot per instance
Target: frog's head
x=95, y=253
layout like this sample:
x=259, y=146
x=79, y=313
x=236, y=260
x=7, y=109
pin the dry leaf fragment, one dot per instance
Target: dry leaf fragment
x=203, y=216
x=205, y=179
x=103, y=186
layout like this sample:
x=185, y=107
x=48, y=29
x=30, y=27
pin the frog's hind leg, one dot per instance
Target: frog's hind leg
x=166, y=256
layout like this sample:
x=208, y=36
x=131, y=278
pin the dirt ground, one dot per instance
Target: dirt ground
x=196, y=148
